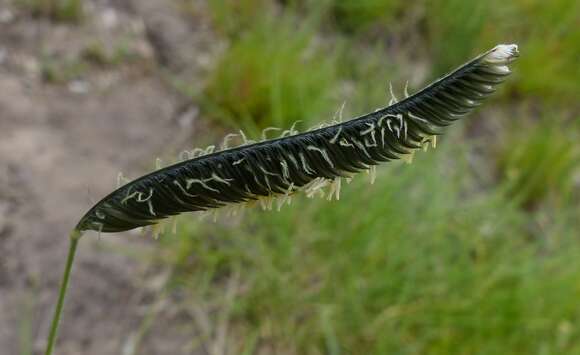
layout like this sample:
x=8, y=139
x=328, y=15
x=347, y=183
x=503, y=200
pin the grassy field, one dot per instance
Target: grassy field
x=471, y=249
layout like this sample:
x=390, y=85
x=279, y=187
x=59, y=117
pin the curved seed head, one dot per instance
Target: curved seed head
x=310, y=161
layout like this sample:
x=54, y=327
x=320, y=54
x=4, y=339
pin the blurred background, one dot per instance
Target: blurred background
x=471, y=249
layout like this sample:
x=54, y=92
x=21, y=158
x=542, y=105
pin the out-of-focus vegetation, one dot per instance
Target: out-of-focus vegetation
x=274, y=74
x=60, y=71
x=412, y=264
x=57, y=10
x=540, y=161
x=471, y=249
x=361, y=15
x=95, y=55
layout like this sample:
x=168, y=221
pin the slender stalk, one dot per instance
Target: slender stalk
x=74, y=239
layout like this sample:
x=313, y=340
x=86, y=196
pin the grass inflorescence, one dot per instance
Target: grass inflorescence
x=305, y=161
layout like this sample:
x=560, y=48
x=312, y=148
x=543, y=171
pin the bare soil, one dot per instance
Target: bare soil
x=62, y=144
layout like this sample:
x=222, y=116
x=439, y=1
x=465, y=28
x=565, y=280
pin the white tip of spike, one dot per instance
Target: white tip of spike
x=502, y=54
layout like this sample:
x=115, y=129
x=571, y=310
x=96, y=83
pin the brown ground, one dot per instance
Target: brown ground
x=61, y=145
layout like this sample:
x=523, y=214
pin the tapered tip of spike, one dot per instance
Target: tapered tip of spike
x=502, y=54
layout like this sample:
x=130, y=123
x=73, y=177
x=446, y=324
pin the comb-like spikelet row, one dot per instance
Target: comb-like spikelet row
x=307, y=161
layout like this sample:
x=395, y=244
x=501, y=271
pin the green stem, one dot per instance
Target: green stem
x=74, y=239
